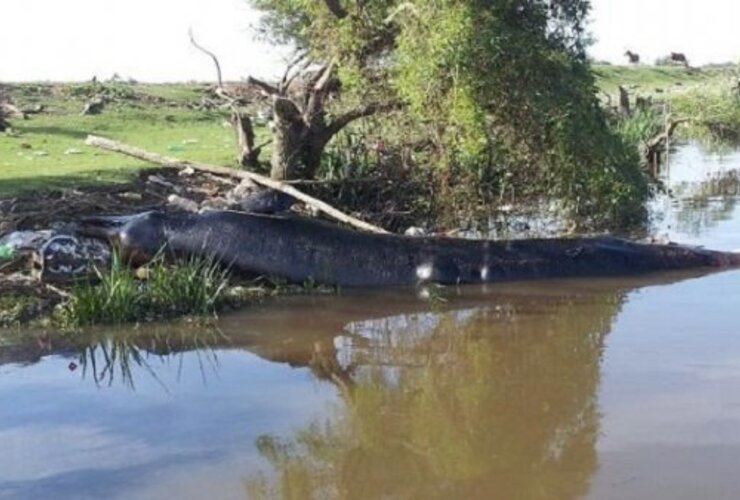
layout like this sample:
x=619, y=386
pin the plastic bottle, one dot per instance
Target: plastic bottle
x=6, y=252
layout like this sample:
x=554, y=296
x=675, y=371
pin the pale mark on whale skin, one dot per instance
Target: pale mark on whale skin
x=484, y=273
x=424, y=271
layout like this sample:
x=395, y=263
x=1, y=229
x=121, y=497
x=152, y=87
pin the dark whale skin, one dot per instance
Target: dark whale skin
x=298, y=249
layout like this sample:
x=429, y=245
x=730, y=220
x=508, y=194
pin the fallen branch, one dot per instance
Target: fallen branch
x=325, y=208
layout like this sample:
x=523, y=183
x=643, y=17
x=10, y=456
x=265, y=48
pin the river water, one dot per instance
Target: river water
x=602, y=389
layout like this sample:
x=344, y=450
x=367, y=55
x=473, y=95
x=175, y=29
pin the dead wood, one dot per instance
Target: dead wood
x=158, y=159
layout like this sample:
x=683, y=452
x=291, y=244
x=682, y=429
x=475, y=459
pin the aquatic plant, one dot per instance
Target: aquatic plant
x=115, y=297
x=194, y=285
x=640, y=127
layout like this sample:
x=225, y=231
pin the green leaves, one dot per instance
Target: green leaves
x=501, y=87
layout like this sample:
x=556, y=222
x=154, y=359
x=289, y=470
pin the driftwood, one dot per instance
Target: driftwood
x=325, y=208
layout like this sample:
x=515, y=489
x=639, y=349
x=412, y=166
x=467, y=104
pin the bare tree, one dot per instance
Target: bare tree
x=301, y=128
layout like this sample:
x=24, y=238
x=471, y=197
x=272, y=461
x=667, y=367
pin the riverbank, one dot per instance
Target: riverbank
x=49, y=176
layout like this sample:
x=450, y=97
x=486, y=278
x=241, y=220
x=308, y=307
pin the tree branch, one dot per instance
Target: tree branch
x=265, y=87
x=211, y=55
x=345, y=119
x=315, y=105
x=302, y=56
x=325, y=77
x=319, y=205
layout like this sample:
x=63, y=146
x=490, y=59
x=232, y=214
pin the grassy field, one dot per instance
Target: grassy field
x=48, y=151
x=656, y=80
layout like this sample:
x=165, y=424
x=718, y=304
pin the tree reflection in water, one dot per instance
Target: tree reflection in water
x=489, y=402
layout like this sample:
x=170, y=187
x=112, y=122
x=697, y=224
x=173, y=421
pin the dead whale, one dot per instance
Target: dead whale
x=300, y=249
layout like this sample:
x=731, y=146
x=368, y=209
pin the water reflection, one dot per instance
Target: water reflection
x=487, y=391
x=498, y=399
x=703, y=194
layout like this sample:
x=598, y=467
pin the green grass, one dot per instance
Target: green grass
x=651, y=80
x=156, y=117
x=194, y=286
x=39, y=152
x=709, y=98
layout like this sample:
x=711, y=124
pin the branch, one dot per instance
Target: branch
x=208, y=53
x=265, y=87
x=325, y=77
x=317, y=91
x=167, y=161
x=342, y=121
x=336, y=8
x=302, y=57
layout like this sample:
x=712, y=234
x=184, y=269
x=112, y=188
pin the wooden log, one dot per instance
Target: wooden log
x=320, y=206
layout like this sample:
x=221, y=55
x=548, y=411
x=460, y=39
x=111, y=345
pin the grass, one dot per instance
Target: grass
x=651, y=80
x=640, y=127
x=48, y=151
x=708, y=97
x=194, y=286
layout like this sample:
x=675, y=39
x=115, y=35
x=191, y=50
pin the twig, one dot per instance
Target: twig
x=58, y=291
x=118, y=147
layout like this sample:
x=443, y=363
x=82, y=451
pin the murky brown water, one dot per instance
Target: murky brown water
x=602, y=389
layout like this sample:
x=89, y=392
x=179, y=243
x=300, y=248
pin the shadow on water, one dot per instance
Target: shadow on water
x=479, y=391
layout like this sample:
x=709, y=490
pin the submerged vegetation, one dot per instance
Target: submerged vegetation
x=194, y=286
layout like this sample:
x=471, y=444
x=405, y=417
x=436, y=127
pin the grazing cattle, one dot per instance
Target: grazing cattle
x=679, y=58
x=633, y=57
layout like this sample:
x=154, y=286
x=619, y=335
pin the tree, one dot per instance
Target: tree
x=502, y=87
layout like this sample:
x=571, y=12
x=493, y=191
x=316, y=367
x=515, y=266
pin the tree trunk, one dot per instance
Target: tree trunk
x=297, y=146
x=288, y=138
x=247, y=154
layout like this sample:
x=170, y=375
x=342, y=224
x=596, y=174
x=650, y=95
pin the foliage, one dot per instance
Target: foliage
x=110, y=90
x=501, y=87
x=192, y=286
x=641, y=126
x=715, y=112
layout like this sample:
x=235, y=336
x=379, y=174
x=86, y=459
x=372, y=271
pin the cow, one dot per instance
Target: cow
x=679, y=58
x=633, y=57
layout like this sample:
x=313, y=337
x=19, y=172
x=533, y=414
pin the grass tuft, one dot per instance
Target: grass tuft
x=195, y=285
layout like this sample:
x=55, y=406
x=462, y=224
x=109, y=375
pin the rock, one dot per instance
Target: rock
x=158, y=181
x=182, y=203
x=415, y=231
x=186, y=172
x=266, y=201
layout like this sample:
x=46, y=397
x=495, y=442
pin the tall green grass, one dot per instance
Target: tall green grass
x=714, y=113
x=195, y=285
x=640, y=127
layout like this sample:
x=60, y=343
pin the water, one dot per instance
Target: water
x=599, y=389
